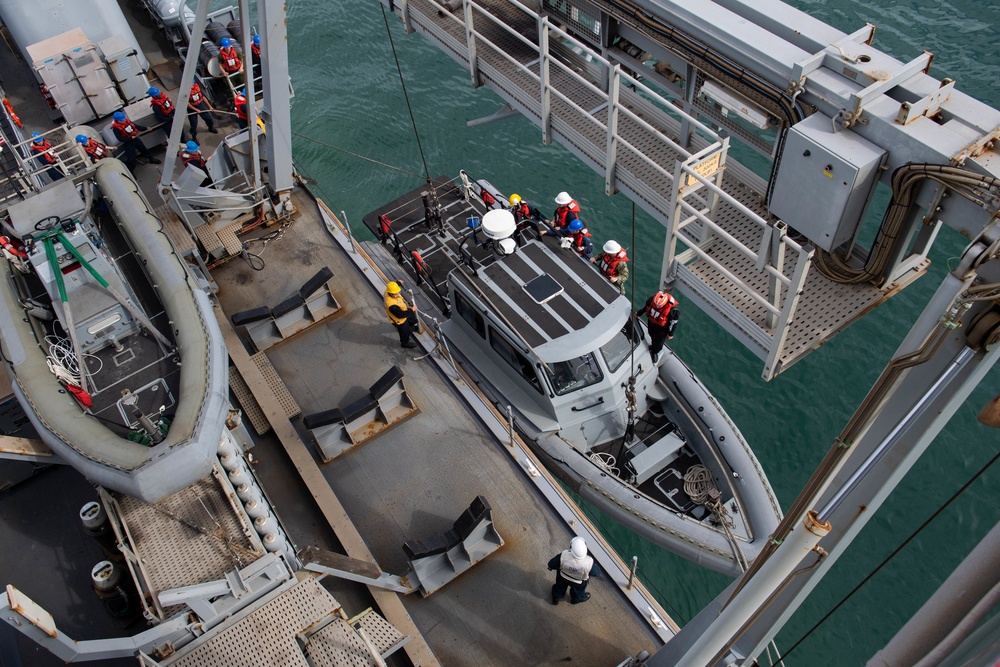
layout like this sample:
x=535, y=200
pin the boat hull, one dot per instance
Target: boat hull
x=693, y=409
x=187, y=452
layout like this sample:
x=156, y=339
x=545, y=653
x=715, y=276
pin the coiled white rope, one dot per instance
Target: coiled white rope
x=63, y=363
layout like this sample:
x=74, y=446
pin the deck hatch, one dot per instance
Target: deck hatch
x=543, y=288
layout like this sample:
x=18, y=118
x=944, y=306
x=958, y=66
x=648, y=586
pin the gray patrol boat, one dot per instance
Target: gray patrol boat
x=550, y=339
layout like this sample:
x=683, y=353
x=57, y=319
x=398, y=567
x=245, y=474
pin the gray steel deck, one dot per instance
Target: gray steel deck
x=416, y=478
x=825, y=307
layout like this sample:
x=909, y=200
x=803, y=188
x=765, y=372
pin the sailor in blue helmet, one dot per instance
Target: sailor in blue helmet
x=229, y=59
x=190, y=153
x=95, y=149
x=127, y=134
x=45, y=153
x=255, y=55
x=574, y=568
x=163, y=109
x=579, y=239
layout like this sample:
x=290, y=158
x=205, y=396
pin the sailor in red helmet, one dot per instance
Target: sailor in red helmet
x=662, y=311
x=240, y=107
x=613, y=263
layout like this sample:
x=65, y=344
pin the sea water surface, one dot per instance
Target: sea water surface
x=348, y=96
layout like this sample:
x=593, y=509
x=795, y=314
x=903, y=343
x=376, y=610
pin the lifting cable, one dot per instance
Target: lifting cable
x=402, y=83
x=892, y=555
x=357, y=155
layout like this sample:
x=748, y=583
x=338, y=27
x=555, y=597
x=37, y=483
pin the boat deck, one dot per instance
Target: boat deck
x=414, y=479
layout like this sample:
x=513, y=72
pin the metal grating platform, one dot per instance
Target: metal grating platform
x=179, y=237
x=337, y=644
x=188, y=538
x=285, y=400
x=209, y=239
x=824, y=309
x=251, y=408
x=229, y=240
x=267, y=636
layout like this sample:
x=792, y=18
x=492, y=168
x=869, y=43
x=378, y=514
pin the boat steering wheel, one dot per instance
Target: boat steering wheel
x=44, y=225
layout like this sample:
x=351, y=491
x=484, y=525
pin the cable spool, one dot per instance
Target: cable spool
x=208, y=58
x=96, y=525
x=215, y=31
x=235, y=29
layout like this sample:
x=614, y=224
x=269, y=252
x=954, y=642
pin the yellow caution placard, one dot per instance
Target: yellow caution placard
x=706, y=168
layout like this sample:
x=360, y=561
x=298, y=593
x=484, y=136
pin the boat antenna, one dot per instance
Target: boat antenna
x=402, y=83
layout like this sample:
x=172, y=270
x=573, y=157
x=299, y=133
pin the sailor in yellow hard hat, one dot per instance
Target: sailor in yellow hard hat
x=400, y=314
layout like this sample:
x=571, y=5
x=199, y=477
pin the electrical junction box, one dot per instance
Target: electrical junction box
x=825, y=181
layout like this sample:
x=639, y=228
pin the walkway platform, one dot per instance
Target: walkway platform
x=771, y=299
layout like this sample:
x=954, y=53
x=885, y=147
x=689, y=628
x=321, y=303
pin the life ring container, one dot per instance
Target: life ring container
x=10, y=112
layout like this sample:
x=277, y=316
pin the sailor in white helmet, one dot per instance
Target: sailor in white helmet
x=574, y=568
x=613, y=263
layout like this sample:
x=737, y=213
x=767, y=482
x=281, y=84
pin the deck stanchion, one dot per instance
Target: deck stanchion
x=631, y=573
x=510, y=426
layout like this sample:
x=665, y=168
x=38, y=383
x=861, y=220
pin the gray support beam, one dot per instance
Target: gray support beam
x=932, y=374
x=24, y=615
x=277, y=112
x=953, y=608
x=183, y=95
x=251, y=86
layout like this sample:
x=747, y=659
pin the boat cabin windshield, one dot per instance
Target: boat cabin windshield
x=572, y=374
x=616, y=351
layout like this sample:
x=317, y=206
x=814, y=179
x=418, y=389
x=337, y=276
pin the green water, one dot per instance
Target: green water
x=348, y=95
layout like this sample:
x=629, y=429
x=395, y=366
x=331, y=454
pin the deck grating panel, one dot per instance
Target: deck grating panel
x=190, y=537
x=251, y=408
x=175, y=230
x=288, y=404
x=267, y=636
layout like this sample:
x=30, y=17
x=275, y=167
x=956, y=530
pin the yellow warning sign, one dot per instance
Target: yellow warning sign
x=706, y=168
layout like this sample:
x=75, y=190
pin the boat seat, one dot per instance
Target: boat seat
x=651, y=460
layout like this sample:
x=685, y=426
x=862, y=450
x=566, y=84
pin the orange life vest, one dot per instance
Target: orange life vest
x=229, y=60
x=162, y=103
x=660, y=307
x=562, y=213
x=240, y=102
x=95, y=150
x=522, y=211
x=255, y=50
x=196, y=95
x=193, y=158
x=126, y=127
x=44, y=148
x=609, y=265
x=578, y=239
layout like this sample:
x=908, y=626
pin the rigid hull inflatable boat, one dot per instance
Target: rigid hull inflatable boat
x=542, y=331
x=111, y=348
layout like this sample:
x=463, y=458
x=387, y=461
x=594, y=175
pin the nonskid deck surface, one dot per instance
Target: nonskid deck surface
x=416, y=478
